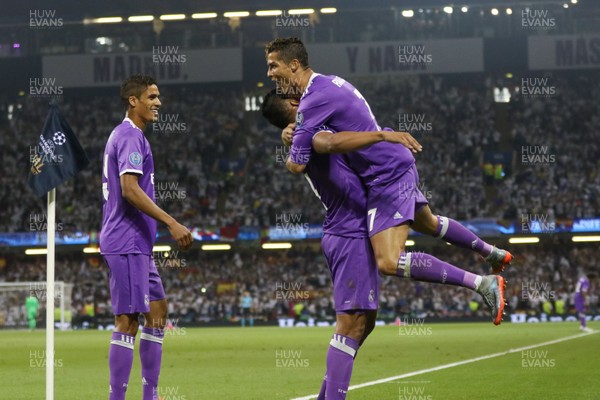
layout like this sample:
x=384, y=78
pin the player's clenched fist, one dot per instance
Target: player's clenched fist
x=287, y=134
x=182, y=235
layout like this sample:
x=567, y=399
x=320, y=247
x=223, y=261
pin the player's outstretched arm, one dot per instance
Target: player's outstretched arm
x=326, y=142
x=133, y=193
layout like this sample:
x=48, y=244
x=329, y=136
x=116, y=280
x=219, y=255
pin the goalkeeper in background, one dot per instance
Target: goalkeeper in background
x=32, y=305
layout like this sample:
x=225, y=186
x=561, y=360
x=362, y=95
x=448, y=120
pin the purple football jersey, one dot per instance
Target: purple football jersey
x=330, y=100
x=125, y=229
x=336, y=185
x=582, y=286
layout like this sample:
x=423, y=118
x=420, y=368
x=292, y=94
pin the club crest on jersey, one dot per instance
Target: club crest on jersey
x=135, y=158
x=299, y=119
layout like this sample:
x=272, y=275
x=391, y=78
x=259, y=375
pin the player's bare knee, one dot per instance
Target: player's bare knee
x=355, y=330
x=156, y=321
x=432, y=224
x=157, y=317
x=358, y=329
x=387, y=265
x=128, y=324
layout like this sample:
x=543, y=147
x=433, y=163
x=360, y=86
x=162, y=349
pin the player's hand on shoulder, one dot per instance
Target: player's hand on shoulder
x=287, y=134
x=403, y=138
x=182, y=235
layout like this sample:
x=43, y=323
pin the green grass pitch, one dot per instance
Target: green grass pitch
x=279, y=363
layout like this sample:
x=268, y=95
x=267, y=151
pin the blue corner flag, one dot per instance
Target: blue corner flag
x=58, y=155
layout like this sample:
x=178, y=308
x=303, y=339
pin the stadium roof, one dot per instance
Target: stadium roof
x=13, y=12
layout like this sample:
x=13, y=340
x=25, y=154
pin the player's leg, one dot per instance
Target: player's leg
x=350, y=331
x=392, y=259
x=455, y=233
x=31, y=318
x=388, y=245
x=424, y=267
x=356, y=293
x=120, y=355
x=371, y=316
x=153, y=334
x=580, y=308
x=391, y=210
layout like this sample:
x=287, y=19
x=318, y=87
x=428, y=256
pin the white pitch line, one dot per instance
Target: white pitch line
x=454, y=364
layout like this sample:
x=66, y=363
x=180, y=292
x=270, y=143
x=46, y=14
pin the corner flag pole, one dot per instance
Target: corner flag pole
x=50, y=295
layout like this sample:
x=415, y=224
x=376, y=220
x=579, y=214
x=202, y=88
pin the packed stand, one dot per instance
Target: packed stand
x=207, y=288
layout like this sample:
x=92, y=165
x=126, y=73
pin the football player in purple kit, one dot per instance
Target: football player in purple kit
x=581, y=288
x=389, y=179
x=345, y=242
x=389, y=174
x=127, y=238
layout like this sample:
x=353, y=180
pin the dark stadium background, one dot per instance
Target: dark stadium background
x=219, y=165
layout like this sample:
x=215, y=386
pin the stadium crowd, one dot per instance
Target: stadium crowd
x=218, y=166
x=295, y=284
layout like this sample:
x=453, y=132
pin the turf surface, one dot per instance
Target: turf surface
x=279, y=363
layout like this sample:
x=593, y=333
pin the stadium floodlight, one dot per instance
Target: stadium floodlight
x=276, y=246
x=210, y=247
x=36, y=252
x=509, y=11
x=408, y=13
x=236, y=14
x=172, y=17
x=409, y=243
x=161, y=248
x=524, y=240
x=464, y=9
x=580, y=239
x=141, y=18
x=268, y=13
x=301, y=11
x=328, y=10
x=566, y=5
x=103, y=20
x=91, y=250
x=494, y=11
x=448, y=10
x=205, y=15
x=574, y=1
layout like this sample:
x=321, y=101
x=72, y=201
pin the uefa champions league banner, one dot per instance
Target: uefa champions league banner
x=397, y=57
x=168, y=64
x=563, y=52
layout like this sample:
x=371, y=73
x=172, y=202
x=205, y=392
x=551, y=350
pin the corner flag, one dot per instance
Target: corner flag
x=58, y=155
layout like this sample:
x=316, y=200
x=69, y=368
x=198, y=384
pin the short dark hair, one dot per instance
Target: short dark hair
x=289, y=49
x=273, y=109
x=135, y=85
